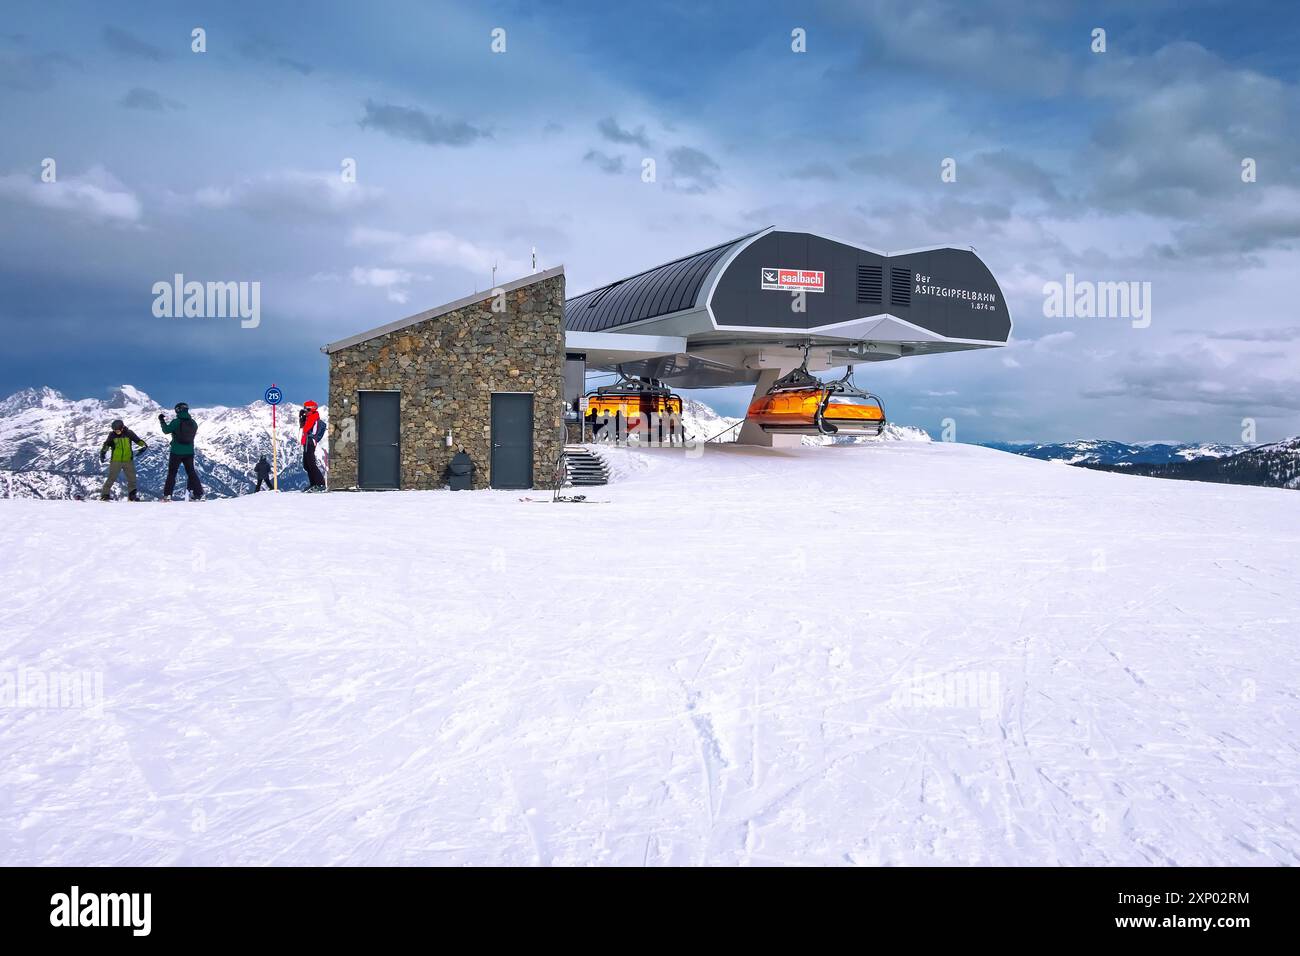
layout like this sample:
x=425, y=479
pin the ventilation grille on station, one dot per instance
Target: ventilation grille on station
x=871, y=285
x=900, y=286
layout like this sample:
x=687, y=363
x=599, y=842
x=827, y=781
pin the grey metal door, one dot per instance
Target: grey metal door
x=512, y=440
x=379, y=450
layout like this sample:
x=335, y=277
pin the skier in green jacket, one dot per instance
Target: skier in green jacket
x=182, y=429
x=119, y=442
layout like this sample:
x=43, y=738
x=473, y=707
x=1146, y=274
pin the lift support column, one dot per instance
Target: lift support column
x=751, y=434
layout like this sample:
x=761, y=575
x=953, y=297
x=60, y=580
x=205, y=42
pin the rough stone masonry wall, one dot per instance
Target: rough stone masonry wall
x=447, y=368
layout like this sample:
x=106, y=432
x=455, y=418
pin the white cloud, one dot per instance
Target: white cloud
x=381, y=278
x=1050, y=341
x=991, y=49
x=290, y=192
x=392, y=281
x=1045, y=344
x=97, y=194
x=1242, y=382
x=439, y=248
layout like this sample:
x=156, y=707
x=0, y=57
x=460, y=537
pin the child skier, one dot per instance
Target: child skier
x=313, y=430
x=182, y=429
x=119, y=441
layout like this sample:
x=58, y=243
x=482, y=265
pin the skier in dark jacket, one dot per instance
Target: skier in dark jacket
x=263, y=471
x=182, y=429
x=313, y=430
x=120, y=442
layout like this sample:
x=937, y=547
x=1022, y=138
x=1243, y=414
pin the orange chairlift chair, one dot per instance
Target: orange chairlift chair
x=801, y=404
x=632, y=399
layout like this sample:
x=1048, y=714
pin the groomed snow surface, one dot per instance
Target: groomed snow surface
x=895, y=653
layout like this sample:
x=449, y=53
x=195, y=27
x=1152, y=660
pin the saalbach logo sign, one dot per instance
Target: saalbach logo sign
x=794, y=280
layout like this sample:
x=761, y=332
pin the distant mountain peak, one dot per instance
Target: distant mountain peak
x=31, y=398
x=125, y=396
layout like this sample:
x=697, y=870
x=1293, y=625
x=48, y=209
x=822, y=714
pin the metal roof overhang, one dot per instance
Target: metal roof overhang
x=614, y=348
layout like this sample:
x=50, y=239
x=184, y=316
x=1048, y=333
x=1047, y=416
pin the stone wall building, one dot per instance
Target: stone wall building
x=488, y=370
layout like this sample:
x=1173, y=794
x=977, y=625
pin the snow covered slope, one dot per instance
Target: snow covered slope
x=897, y=652
x=49, y=444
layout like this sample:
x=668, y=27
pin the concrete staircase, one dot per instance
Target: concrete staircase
x=584, y=466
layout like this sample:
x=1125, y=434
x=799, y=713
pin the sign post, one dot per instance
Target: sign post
x=273, y=397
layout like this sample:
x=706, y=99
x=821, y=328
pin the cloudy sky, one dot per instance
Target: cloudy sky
x=226, y=165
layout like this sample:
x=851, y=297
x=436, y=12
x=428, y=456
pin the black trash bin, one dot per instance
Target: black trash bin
x=460, y=473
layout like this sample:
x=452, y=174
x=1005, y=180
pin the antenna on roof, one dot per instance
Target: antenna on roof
x=534, y=258
x=494, y=275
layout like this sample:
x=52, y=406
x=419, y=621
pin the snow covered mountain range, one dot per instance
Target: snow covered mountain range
x=1275, y=465
x=1100, y=452
x=49, y=444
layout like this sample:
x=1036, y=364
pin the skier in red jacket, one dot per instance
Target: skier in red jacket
x=313, y=430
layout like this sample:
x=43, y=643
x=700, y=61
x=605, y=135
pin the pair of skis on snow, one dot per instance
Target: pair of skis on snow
x=565, y=499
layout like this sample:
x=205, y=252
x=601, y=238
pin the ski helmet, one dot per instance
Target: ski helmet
x=309, y=404
x=181, y=407
x=118, y=424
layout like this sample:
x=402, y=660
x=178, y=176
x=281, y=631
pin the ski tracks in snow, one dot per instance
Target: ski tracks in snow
x=956, y=656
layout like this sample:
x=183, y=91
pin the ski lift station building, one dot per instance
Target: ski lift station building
x=493, y=373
